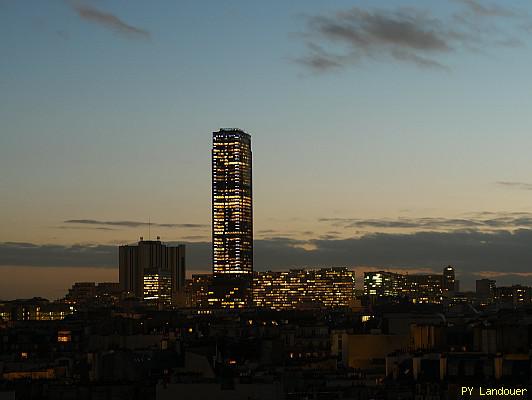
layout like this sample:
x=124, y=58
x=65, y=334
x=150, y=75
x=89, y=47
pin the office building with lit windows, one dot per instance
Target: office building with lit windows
x=158, y=287
x=232, y=219
x=198, y=290
x=514, y=296
x=298, y=288
x=36, y=309
x=153, y=271
x=424, y=289
x=383, y=286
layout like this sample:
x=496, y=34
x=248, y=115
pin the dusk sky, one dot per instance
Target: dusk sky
x=392, y=135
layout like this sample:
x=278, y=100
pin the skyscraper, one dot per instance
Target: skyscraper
x=449, y=282
x=153, y=271
x=232, y=219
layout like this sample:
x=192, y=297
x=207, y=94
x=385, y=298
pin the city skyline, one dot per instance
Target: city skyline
x=406, y=153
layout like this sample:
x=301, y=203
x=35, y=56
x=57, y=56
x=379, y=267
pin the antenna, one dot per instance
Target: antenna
x=149, y=228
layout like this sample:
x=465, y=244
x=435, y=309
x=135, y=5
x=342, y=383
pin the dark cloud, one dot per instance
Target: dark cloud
x=272, y=233
x=508, y=253
x=516, y=185
x=133, y=224
x=109, y=21
x=406, y=34
x=328, y=236
x=483, y=221
x=99, y=228
x=320, y=62
x=28, y=254
x=195, y=237
x=470, y=251
x=266, y=231
x=488, y=10
x=424, y=62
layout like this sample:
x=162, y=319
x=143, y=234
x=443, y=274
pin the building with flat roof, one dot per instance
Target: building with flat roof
x=232, y=219
x=297, y=288
x=153, y=271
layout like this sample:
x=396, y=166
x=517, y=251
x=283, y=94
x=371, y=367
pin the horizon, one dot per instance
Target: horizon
x=384, y=137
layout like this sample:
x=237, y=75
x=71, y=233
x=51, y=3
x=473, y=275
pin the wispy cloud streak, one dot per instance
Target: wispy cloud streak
x=109, y=21
x=481, y=222
x=516, y=185
x=133, y=224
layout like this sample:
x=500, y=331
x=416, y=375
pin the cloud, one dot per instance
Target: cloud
x=266, y=231
x=424, y=62
x=109, y=21
x=409, y=35
x=488, y=10
x=471, y=252
x=134, y=224
x=79, y=255
x=479, y=221
x=500, y=274
x=195, y=237
x=99, y=228
x=475, y=251
x=516, y=185
x=275, y=234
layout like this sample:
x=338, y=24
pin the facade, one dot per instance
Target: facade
x=382, y=286
x=198, y=290
x=36, y=309
x=82, y=293
x=158, y=286
x=326, y=287
x=424, y=289
x=513, y=296
x=153, y=271
x=232, y=219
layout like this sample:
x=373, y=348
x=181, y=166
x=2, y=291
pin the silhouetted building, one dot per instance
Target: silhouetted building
x=232, y=219
x=449, y=281
x=485, y=290
x=83, y=293
x=514, y=296
x=153, y=271
x=35, y=309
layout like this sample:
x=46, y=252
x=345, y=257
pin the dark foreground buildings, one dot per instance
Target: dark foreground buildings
x=307, y=336
x=387, y=352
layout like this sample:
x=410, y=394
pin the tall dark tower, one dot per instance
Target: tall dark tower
x=232, y=219
x=449, y=282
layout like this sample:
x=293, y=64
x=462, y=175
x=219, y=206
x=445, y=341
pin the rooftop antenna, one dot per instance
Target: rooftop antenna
x=149, y=228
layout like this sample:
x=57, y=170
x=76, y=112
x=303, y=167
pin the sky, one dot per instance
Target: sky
x=386, y=135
